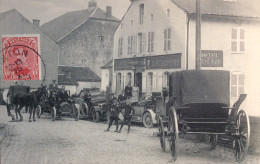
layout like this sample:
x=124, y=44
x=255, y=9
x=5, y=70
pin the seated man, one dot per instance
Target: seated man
x=63, y=96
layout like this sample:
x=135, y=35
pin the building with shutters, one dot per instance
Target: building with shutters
x=157, y=37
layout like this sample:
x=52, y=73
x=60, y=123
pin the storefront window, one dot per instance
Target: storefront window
x=150, y=83
x=128, y=78
x=237, y=85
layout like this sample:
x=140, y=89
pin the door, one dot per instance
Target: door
x=139, y=82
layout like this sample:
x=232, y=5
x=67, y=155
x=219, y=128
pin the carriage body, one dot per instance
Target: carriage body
x=201, y=105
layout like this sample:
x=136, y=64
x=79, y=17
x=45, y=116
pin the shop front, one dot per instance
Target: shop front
x=148, y=74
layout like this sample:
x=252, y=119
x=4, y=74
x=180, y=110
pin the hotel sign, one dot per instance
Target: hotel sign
x=171, y=61
x=211, y=58
x=128, y=63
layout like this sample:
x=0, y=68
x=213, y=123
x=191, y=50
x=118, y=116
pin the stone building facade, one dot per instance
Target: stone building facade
x=85, y=37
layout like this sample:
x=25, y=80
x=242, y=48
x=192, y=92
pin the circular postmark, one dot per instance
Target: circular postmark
x=22, y=62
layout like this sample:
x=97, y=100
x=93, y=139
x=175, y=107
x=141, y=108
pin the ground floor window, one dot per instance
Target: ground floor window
x=149, y=83
x=237, y=84
x=128, y=78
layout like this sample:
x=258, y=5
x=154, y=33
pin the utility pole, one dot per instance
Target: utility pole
x=198, y=35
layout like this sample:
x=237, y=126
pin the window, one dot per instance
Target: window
x=168, y=13
x=237, y=84
x=128, y=78
x=165, y=79
x=120, y=46
x=101, y=38
x=141, y=43
x=167, y=39
x=131, y=23
x=141, y=13
x=121, y=25
x=131, y=45
x=238, y=40
x=150, y=42
x=151, y=17
x=150, y=83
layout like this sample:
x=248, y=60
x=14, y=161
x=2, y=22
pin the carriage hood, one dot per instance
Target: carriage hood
x=201, y=86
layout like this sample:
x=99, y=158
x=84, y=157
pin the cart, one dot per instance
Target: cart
x=67, y=108
x=201, y=106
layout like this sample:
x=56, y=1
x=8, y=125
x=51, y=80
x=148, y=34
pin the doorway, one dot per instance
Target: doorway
x=138, y=81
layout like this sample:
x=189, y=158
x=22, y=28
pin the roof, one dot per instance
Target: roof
x=78, y=74
x=109, y=64
x=10, y=14
x=221, y=8
x=63, y=25
x=63, y=80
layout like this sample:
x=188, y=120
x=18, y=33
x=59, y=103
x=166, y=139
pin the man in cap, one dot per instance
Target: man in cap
x=53, y=87
x=129, y=111
x=114, y=110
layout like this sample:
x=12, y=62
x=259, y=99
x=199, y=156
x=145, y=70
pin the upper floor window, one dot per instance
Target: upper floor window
x=151, y=17
x=101, y=38
x=150, y=42
x=141, y=43
x=131, y=45
x=120, y=46
x=167, y=39
x=131, y=23
x=237, y=84
x=141, y=13
x=238, y=40
x=168, y=13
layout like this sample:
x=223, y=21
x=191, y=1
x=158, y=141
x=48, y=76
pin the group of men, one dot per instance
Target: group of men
x=122, y=108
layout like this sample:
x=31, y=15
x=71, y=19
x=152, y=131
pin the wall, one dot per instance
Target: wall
x=13, y=23
x=104, y=79
x=84, y=44
x=87, y=85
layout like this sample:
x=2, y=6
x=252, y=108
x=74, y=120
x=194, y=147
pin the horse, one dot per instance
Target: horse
x=31, y=100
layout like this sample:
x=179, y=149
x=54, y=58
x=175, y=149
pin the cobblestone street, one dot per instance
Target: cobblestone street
x=67, y=141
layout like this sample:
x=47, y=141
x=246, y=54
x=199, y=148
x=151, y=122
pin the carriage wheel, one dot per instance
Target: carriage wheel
x=95, y=115
x=147, y=120
x=38, y=111
x=76, y=112
x=161, y=133
x=213, y=141
x=173, y=129
x=241, y=141
x=53, y=113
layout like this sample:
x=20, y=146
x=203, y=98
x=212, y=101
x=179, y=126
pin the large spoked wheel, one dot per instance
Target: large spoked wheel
x=95, y=115
x=53, y=113
x=241, y=139
x=147, y=120
x=76, y=112
x=38, y=111
x=174, y=132
x=213, y=141
x=161, y=133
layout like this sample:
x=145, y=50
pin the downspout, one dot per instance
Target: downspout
x=187, y=43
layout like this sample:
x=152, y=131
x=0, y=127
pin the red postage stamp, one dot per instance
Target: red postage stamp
x=21, y=58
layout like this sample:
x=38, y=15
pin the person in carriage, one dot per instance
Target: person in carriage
x=62, y=96
x=53, y=87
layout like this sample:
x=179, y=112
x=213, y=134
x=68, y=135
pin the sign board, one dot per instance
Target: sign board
x=129, y=63
x=171, y=61
x=211, y=58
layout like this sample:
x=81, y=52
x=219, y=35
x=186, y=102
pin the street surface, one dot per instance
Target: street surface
x=66, y=141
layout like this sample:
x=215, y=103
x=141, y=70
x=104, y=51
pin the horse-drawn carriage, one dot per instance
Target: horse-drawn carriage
x=58, y=106
x=200, y=105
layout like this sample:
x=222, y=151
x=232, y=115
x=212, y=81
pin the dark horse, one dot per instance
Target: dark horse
x=31, y=100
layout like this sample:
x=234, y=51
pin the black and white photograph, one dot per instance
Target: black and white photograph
x=129, y=81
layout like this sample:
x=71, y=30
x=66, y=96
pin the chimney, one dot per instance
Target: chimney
x=92, y=5
x=36, y=22
x=108, y=11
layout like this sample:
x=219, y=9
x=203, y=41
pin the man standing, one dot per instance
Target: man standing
x=114, y=109
x=53, y=86
x=129, y=111
x=128, y=90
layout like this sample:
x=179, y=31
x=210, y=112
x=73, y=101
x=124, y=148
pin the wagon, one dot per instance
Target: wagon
x=67, y=108
x=201, y=106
